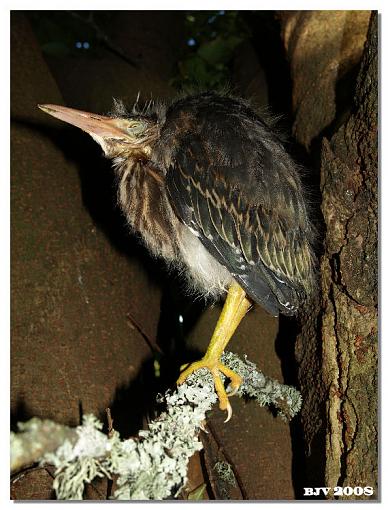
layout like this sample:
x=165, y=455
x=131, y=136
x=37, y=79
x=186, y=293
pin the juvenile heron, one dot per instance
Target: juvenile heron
x=211, y=189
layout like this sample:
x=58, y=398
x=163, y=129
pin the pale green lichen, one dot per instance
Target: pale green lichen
x=263, y=389
x=81, y=462
x=225, y=472
x=36, y=437
x=226, y=478
x=154, y=465
x=16, y=447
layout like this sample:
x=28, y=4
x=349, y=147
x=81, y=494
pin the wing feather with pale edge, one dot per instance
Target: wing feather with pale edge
x=268, y=259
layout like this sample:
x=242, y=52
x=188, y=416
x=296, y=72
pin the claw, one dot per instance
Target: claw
x=235, y=308
x=229, y=411
x=202, y=426
x=234, y=391
x=215, y=367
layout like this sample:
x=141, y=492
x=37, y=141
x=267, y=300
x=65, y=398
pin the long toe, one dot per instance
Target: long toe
x=235, y=379
x=215, y=368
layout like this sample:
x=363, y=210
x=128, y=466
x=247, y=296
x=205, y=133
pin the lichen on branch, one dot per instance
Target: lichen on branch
x=153, y=465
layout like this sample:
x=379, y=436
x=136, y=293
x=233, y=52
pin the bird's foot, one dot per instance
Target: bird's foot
x=215, y=367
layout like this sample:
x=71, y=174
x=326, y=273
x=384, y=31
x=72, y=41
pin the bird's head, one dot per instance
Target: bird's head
x=119, y=136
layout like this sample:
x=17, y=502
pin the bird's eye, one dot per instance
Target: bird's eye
x=136, y=128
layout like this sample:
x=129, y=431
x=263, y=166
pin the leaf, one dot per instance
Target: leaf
x=217, y=35
x=194, y=68
x=219, y=50
x=56, y=48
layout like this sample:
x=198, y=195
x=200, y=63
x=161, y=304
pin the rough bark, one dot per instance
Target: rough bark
x=324, y=49
x=349, y=284
x=340, y=412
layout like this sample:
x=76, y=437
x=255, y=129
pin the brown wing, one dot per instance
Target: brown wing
x=266, y=249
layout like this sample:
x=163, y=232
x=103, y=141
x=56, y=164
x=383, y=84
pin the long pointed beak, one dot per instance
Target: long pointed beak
x=99, y=125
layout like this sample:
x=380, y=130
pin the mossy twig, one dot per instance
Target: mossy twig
x=153, y=465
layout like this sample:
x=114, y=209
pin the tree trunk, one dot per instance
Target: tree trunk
x=338, y=348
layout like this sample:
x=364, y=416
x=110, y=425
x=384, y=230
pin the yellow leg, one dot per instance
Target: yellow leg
x=235, y=308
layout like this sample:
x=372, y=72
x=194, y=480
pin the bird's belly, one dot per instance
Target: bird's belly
x=204, y=274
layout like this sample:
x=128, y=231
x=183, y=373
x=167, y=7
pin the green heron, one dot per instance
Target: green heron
x=211, y=189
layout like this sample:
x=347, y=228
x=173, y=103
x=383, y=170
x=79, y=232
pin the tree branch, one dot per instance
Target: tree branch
x=153, y=465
